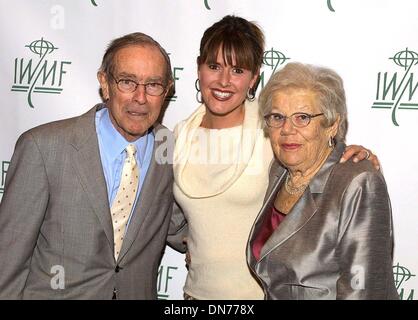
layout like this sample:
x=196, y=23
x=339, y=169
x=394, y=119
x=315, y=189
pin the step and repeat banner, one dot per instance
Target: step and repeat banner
x=51, y=51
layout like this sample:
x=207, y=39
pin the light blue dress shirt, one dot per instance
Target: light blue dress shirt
x=112, y=154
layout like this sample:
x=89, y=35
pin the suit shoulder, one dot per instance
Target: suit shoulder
x=349, y=169
x=161, y=130
x=351, y=176
x=51, y=129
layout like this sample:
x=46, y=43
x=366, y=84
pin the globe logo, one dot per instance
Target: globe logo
x=41, y=47
x=405, y=58
x=401, y=274
x=274, y=58
x=39, y=75
x=396, y=90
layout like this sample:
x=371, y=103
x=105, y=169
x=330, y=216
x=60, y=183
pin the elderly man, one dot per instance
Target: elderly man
x=87, y=202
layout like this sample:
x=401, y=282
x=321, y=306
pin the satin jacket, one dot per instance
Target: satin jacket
x=335, y=243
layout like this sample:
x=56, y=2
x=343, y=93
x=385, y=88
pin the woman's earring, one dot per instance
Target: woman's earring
x=331, y=142
x=198, y=93
x=250, y=94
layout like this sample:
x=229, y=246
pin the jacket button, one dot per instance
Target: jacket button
x=117, y=269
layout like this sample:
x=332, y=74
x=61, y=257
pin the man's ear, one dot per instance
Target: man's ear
x=104, y=85
x=169, y=90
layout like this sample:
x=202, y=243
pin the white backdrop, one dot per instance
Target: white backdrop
x=51, y=50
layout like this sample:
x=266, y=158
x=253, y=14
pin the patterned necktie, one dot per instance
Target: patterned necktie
x=125, y=198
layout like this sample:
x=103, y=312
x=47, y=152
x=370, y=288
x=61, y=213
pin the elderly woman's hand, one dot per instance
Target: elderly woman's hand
x=359, y=153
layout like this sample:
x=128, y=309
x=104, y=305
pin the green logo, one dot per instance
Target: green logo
x=330, y=6
x=176, y=71
x=390, y=90
x=4, y=167
x=271, y=58
x=274, y=58
x=206, y=4
x=402, y=275
x=164, y=278
x=93, y=2
x=40, y=76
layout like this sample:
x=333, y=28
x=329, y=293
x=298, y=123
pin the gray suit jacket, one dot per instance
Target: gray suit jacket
x=55, y=215
x=335, y=243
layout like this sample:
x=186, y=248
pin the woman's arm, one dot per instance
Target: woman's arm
x=178, y=229
x=358, y=153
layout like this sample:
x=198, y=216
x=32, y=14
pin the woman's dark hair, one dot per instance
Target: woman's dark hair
x=237, y=38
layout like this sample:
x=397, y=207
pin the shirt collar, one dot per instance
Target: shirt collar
x=118, y=142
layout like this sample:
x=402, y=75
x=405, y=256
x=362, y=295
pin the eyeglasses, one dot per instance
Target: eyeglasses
x=299, y=119
x=129, y=86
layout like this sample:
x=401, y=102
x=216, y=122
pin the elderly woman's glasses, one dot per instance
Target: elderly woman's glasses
x=129, y=86
x=299, y=119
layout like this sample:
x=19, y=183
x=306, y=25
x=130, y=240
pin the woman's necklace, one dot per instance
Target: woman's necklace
x=293, y=190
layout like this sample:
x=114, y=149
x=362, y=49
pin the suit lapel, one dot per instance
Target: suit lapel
x=300, y=214
x=277, y=174
x=88, y=166
x=145, y=200
x=304, y=208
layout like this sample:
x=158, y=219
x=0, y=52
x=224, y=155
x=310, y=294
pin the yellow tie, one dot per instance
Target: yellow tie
x=125, y=198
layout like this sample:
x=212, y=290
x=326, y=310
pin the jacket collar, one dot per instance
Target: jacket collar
x=88, y=167
x=302, y=211
x=318, y=182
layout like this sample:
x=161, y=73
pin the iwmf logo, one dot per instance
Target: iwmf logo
x=271, y=58
x=164, y=278
x=40, y=76
x=176, y=76
x=402, y=275
x=396, y=87
x=4, y=167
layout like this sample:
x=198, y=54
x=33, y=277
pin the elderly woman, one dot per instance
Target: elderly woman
x=325, y=228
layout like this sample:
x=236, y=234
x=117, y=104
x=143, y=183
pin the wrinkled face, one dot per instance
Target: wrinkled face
x=134, y=113
x=224, y=87
x=299, y=148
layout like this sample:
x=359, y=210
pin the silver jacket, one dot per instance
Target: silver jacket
x=335, y=243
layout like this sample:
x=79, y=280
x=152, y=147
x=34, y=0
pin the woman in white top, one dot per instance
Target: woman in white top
x=221, y=164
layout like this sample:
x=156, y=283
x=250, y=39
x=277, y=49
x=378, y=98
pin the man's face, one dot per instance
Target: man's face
x=133, y=113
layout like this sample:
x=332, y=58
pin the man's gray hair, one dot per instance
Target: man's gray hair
x=136, y=38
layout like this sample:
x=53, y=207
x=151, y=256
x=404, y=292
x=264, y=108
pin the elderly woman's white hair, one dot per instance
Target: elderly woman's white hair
x=324, y=82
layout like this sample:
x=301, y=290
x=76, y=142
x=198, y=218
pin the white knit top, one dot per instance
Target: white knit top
x=221, y=177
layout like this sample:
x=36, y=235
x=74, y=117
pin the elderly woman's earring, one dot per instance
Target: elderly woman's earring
x=198, y=93
x=250, y=94
x=331, y=142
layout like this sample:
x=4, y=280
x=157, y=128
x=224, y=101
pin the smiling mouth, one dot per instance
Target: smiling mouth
x=137, y=114
x=222, y=94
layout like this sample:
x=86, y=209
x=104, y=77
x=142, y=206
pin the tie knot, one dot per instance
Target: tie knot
x=130, y=150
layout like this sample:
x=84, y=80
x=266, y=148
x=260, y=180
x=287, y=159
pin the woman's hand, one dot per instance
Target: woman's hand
x=358, y=153
x=187, y=259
